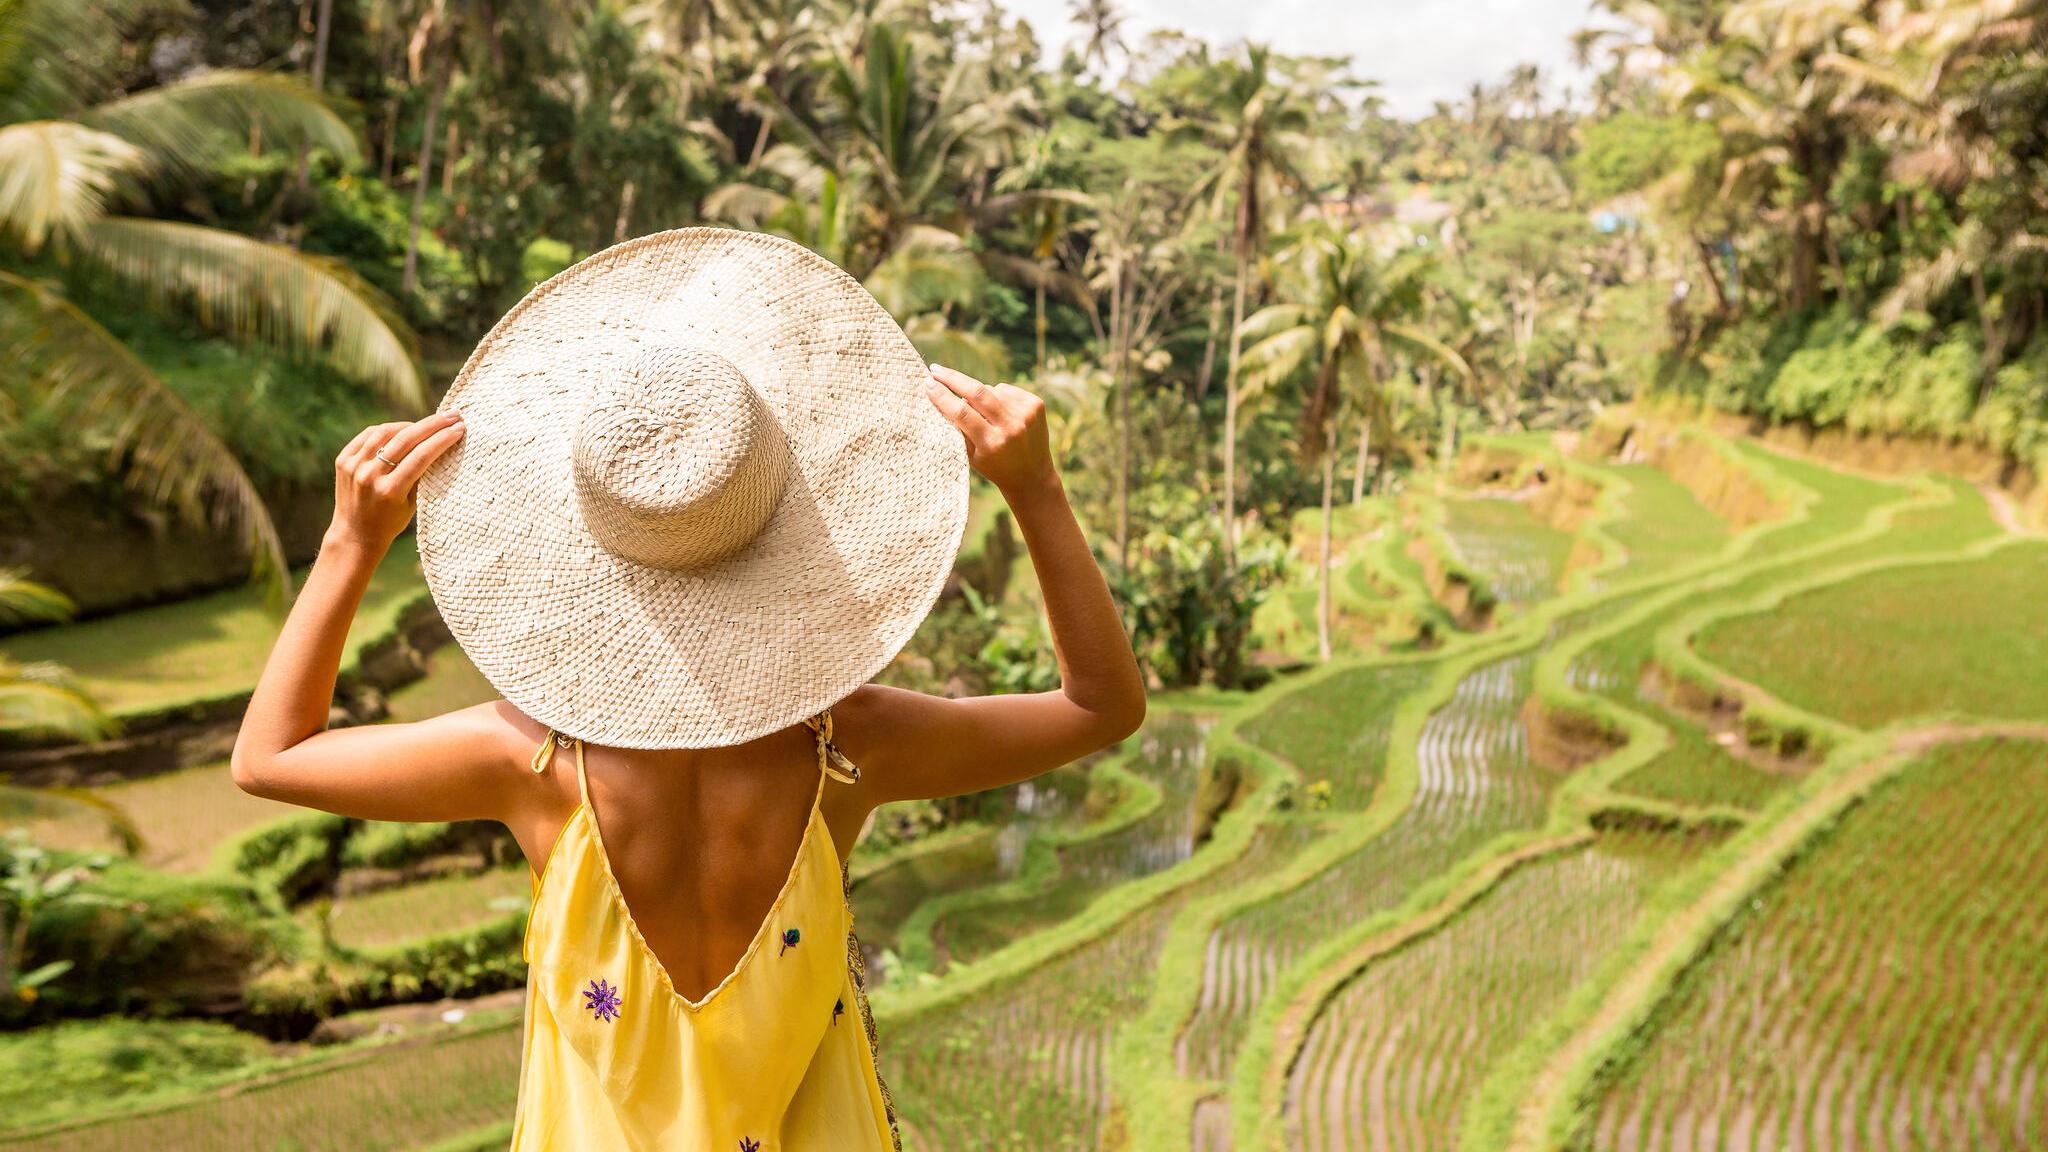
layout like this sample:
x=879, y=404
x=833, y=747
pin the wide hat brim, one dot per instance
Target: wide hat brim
x=852, y=559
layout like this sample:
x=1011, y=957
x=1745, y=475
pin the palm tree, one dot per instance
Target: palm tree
x=1914, y=81
x=926, y=273
x=1261, y=124
x=70, y=161
x=439, y=34
x=887, y=174
x=1348, y=314
x=1137, y=257
x=1103, y=25
x=1781, y=122
x=910, y=143
x=1034, y=172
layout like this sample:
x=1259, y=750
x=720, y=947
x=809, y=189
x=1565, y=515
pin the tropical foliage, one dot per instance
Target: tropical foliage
x=1219, y=261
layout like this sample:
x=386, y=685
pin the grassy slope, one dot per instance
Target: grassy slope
x=1521, y=558
x=1663, y=525
x=204, y=648
x=1968, y=638
x=428, y=908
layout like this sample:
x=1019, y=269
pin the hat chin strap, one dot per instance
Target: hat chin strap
x=679, y=462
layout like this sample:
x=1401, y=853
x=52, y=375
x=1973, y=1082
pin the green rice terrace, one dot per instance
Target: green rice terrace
x=1667, y=791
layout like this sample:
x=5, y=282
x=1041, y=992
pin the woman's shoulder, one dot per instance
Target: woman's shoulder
x=870, y=718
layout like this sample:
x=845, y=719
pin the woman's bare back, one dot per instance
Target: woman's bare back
x=700, y=841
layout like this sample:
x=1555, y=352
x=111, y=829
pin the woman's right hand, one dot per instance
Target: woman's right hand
x=376, y=473
x=1004, y=426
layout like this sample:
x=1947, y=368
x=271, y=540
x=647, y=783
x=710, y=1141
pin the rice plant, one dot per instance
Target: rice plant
x=428, y=908
x=1967, y=637
x=1883, y=994
x=1170, y=754
x=382, y=1099
x=1521, y=557
x=1476, y=781
x=1020, y=1066
x=1392, y=1057
x=183, y=816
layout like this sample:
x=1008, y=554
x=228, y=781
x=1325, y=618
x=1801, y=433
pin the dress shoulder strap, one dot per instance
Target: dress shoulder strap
x=831, y=761
x=545, y=755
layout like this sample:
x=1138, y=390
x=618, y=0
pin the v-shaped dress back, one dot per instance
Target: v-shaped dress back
x=779, y=1057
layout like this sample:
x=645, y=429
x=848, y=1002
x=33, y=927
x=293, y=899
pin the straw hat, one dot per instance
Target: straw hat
x=701, y=495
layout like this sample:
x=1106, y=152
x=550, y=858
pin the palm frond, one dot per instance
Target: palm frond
x=40, y=76
x=1420, y=343
x=1004, y=205
x=23, y=601
x=1276, y=357
x=974, y=353
x=166, y=452
x=745, y=205
x=192, y=125
x=1270, y=319
x=1873, y=74
x=56, y=176
x=806, y=177
x=929, y=267
x=307, y=304
x=1933, y=278
x=1031, y=273
x=43, y=698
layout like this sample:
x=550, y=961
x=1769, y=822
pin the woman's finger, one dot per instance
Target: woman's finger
x=412, y=435
x=347, y=454
x=415, y=462
x=964, y=417
x=371, y=440
x=978, y=395
x=355, y=448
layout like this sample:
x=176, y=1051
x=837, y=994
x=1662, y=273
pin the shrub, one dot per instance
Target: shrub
x=383, y=844
x=291, y=857
x=154, y=944
x=44, y=1073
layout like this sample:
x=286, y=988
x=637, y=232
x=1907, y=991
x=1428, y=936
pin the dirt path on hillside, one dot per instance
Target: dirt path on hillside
x=2004, y=509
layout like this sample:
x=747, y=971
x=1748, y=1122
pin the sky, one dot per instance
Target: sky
x=1420, y=51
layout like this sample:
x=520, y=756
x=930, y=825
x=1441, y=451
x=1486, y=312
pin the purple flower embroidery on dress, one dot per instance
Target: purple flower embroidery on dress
x=602, y=999
x=790, y=936
x=749, y=1144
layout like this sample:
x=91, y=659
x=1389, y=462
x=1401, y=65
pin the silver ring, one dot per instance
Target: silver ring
x=388, y=461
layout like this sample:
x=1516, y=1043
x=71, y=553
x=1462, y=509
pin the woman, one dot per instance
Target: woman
x=679, y=506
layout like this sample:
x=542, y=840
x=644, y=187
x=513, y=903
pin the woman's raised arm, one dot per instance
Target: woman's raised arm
x=921, y=746
x=451, y=767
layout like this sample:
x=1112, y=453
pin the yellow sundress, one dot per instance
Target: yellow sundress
x=779, y=1057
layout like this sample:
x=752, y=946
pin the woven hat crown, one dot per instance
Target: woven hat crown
x=678, y=461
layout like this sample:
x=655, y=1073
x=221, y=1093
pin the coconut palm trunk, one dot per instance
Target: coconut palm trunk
x=1120, y=330
x=1038, y=326
x=1324, y=608
x=323, y=23
x=410, y=280
x=1208, y=372
x=1358, y=468
x=1230, y=409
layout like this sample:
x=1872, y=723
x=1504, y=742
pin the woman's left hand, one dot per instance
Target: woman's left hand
x=375, y=475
